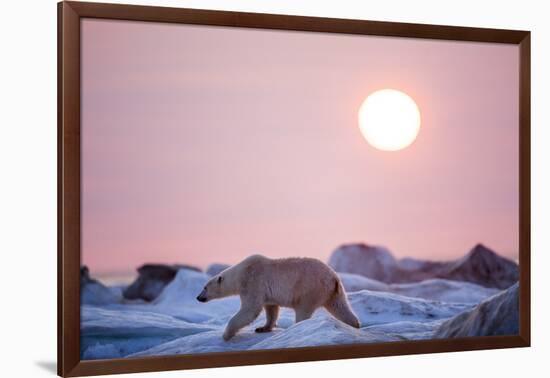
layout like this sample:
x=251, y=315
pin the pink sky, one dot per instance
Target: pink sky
x=207, y=144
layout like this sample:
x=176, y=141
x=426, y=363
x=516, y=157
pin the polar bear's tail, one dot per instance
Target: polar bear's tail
x=339, y=307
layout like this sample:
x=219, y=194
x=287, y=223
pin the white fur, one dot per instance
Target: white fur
x=303, y=284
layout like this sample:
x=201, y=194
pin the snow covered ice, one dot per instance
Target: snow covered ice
x=437, y=299
x=174, y=322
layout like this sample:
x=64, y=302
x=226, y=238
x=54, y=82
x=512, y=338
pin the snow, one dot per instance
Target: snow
x=119, y=331
x=95, y=293
x=176, y=323
x=356, y=282
x=480, y=266
x=206, y=342
x=498, y=315
x=152, y=279
x=216, y=268
x=444, y=290
x=321, y=331
x=370, y=261
x=101, y=351
x=406, y=330
x=183, y=289
x=408, y=263
x=435, y=289
x=380, y=307
x=179, y=298
x=118, y=322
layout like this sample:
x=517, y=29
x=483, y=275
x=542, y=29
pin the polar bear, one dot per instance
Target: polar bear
x=303, y=284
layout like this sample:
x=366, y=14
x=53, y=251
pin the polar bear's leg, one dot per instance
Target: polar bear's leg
x=246, y=315
x=271, y=315
x=303, y=313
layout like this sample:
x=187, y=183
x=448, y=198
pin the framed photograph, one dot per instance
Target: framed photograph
x=243, y=188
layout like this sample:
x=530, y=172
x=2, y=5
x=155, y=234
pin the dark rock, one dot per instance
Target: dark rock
x=85, y=276
x=152, y=279
x=480, y=266
x=483, y=267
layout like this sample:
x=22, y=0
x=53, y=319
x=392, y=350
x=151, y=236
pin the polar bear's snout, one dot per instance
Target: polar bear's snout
x=202, y=296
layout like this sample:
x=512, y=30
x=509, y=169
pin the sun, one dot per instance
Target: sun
x=389, y=120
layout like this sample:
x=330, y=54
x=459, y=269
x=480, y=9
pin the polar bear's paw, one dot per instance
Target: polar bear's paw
x=263, y=329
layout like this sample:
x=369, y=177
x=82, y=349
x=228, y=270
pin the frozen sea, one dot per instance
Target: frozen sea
x=176, y=323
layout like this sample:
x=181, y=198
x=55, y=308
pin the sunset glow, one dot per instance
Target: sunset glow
x=222, y=142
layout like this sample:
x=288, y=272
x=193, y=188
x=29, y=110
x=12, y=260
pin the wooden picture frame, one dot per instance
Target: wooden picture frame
x=70, y=15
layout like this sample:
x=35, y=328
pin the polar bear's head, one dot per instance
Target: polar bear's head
x=214, y=288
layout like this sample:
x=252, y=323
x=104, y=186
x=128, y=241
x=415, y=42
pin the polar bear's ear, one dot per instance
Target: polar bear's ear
x=220, y=278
